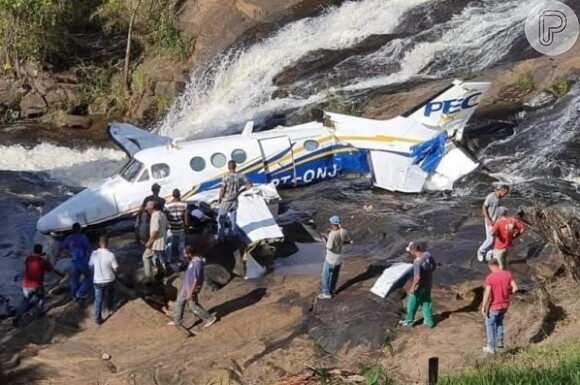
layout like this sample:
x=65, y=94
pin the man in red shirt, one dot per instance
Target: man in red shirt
x=499, y=285
x=32, y=285
x=505, y=230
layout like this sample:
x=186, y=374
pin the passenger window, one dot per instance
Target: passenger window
x=311, y=145
x=197, y=163
x=160, y=171
x=218, y=160
x=239, y=156
x=144, y=176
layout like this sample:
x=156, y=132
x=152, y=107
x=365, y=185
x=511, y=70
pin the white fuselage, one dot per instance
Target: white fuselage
x=285, y=157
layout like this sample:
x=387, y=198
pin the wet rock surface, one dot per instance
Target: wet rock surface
x=355, y=318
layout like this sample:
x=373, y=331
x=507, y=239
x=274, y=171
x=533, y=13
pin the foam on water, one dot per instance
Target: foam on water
x=473, y=40
x=70, y=166
x=543, y=141
x=239, y=85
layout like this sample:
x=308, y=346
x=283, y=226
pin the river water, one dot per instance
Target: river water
x=336, y=53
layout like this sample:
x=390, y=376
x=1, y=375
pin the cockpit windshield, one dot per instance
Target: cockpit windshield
x=132, y=170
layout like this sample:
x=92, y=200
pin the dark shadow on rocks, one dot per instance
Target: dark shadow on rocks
x=472, y=307
x=234, y=305
x=275, y=345
x=555, y=315
x=355, y=318
x=26, y=341
x=372, y=271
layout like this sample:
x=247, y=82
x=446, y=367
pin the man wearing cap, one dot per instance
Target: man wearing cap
x=155, y=246
x=337, y=237
x=499, y=285
x=233, y=184
x=489, y=210
x=505, y=230
x=420, y=292
x=178, y=220
x=143, y=216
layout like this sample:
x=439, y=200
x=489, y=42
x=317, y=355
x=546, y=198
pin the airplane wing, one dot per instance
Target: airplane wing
x=132, y=139
x=257, y=211
x=415, y=151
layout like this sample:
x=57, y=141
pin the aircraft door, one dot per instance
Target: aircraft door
x=278, y=160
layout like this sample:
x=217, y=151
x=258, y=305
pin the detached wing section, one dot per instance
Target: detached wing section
x=257, y=211
x=132, y=139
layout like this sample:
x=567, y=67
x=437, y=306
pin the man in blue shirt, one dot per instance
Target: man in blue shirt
x=192, y=284
x=79, y=248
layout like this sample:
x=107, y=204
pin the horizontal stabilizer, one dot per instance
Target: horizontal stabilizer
x=454, y=165
x=132, y=139
x=396, y=172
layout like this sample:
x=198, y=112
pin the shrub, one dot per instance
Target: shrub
x=526, y=83
x=33, y=29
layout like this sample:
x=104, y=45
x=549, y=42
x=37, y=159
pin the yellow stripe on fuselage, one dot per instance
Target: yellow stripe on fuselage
x=379, y=138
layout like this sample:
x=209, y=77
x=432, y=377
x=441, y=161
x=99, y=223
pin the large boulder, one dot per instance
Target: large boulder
x=73, y=121
x=560, y=226
x=10, y=95
x=33, y=105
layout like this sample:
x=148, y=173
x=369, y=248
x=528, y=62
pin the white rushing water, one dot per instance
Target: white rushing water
x=544, y=140
x=239, y=86
x=69, y=166
x=473, y=40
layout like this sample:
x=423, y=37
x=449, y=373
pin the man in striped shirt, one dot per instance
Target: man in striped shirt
x=178, y=221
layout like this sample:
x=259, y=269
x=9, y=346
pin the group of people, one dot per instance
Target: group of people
x=90, y=270
x=97, y=270
x=168, y=222
x=500, y=231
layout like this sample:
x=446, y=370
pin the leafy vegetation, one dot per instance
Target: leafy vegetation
x=31, y=29
x=560, y=88
x=525, y=83
x=65, y=35
x=162, y=104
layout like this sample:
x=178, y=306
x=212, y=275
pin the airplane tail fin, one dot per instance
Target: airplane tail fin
x=451, y=108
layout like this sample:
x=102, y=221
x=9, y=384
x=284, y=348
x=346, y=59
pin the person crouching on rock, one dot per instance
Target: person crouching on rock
x=499, y=284
x=337, y=237
x=192, y=284
x=505, y=230
x=420, y=292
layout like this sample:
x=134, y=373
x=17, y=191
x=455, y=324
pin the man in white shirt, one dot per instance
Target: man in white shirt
x=104, y=265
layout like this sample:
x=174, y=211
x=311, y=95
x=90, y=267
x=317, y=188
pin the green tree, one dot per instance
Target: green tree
x=31, y=29
x=152, y=23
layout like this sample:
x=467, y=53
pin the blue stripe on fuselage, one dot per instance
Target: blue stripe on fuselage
x=311, y=168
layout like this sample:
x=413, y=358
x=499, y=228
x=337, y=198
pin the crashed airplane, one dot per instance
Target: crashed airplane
x=407, y=154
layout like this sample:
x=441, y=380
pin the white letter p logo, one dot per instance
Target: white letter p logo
x=552, y=22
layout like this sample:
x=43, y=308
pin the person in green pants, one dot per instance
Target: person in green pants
x=420, y=292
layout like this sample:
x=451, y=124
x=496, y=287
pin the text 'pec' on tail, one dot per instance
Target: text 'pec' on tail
x=452, y=108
